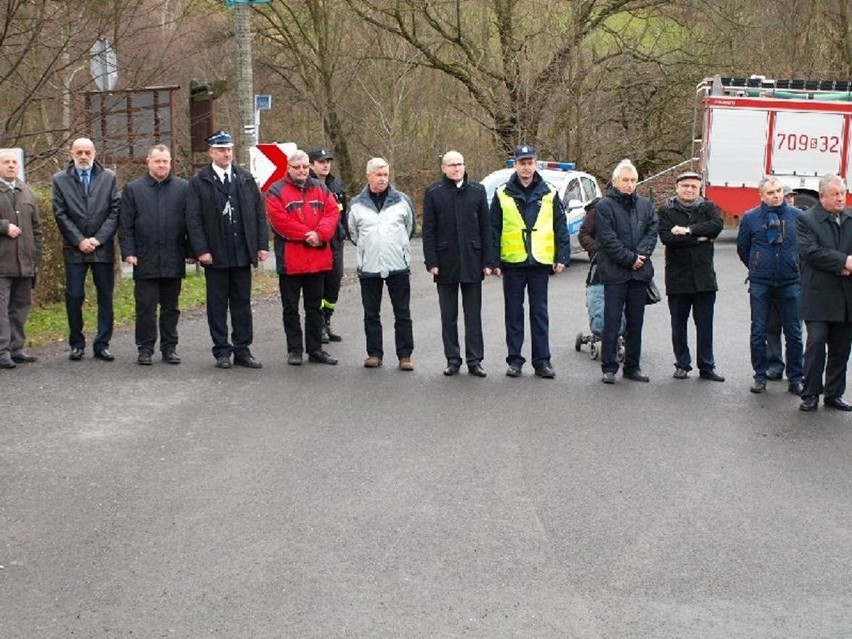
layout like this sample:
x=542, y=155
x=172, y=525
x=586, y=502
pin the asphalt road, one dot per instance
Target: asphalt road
x=338, y=501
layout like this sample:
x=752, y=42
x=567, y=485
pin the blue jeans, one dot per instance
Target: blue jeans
x=103, y=274
x=787, y=298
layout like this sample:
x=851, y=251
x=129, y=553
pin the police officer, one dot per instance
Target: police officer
x=529, y=228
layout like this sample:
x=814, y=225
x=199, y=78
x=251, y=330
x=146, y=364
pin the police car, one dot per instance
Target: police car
x=575, y=189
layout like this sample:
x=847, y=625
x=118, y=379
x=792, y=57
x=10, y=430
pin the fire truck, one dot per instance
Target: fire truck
x=795, y=130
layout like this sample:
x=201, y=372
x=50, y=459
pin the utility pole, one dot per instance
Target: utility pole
x=245, y=80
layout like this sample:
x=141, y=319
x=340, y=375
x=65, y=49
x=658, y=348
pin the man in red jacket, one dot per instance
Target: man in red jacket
x=303, y=214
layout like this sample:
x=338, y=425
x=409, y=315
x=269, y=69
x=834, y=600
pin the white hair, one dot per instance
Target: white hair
x=297, y=155
x=376, y=163
x=625, y=166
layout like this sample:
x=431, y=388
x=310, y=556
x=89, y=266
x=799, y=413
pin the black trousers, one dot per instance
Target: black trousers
x=103, y=275
x=399, y=289
x=150, y=294
x=331, y=279
x=702, y=306
x=534, y=280
x=448, y=300
x=837, y=338
x=627, y=298
x=309, y=286
x=229, y=289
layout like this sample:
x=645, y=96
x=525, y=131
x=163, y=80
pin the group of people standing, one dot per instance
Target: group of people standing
x=799, y=263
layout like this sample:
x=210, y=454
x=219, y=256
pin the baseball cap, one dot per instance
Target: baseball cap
x=524, y=151
x=319, y=154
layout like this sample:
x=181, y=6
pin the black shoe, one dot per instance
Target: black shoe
x=76, y=354
x=6, y=362
x=321, y=357
x=713, y=376
x=451, y=369
x=476, y=370
x=545, y=371
x=636, y=375
x=608, y=378
x=332, y=336
x=171, y=357
x=325, y=338
x=223, y=361
x=294, y=358
x=795, y=388
x=809, y=403
x=247, y=361
x=104, y=355
x=837, y=403
x=759, y=386
x=514, y=370
x=144, y=358
x=24, y=358
x=680, y=373
x=774, y=376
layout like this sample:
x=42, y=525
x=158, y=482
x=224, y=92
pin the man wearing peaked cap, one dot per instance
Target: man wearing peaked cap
x=320, y=160
x=527, y=203
x=226, y=224
x=688, y=226
x=220, y=140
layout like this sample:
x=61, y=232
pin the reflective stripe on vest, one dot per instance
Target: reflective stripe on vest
x=513, y=249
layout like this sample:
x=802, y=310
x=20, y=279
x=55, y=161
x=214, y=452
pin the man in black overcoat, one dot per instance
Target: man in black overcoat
x=456, y=247
x=825, y=245
x=152, y=236
x=688, y=226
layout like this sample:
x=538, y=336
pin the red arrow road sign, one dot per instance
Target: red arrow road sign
x=278, y=158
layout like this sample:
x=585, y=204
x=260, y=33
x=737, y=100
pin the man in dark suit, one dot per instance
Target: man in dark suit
x=85, y=206
x=226, y=223
x=825, y=245
x=456, y=246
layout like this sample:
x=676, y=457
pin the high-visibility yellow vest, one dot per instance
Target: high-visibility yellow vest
x=513, y=249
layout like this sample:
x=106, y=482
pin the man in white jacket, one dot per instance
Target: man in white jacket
x=381, y=223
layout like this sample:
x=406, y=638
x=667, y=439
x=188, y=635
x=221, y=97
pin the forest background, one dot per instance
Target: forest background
x=590, y=81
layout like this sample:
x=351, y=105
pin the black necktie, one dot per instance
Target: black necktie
x=226, y=182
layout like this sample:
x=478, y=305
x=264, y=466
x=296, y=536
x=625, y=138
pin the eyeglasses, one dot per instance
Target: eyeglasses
x=455, y=165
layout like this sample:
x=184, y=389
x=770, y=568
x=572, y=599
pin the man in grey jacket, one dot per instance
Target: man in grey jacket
x=85, y=206
x=20, y=257
x=381, y=223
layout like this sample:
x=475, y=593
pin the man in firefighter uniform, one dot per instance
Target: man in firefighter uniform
x=529, y=227
x=320, y=160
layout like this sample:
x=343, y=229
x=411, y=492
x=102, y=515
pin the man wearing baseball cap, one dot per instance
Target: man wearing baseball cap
x=320, y=160
x=688, y=226
x=531, y=234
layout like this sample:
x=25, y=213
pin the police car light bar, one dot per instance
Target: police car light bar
x=557, y=166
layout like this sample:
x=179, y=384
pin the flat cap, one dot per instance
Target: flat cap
x=688, y=175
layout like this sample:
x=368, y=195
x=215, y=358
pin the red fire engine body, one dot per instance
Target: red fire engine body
x=795, y=130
